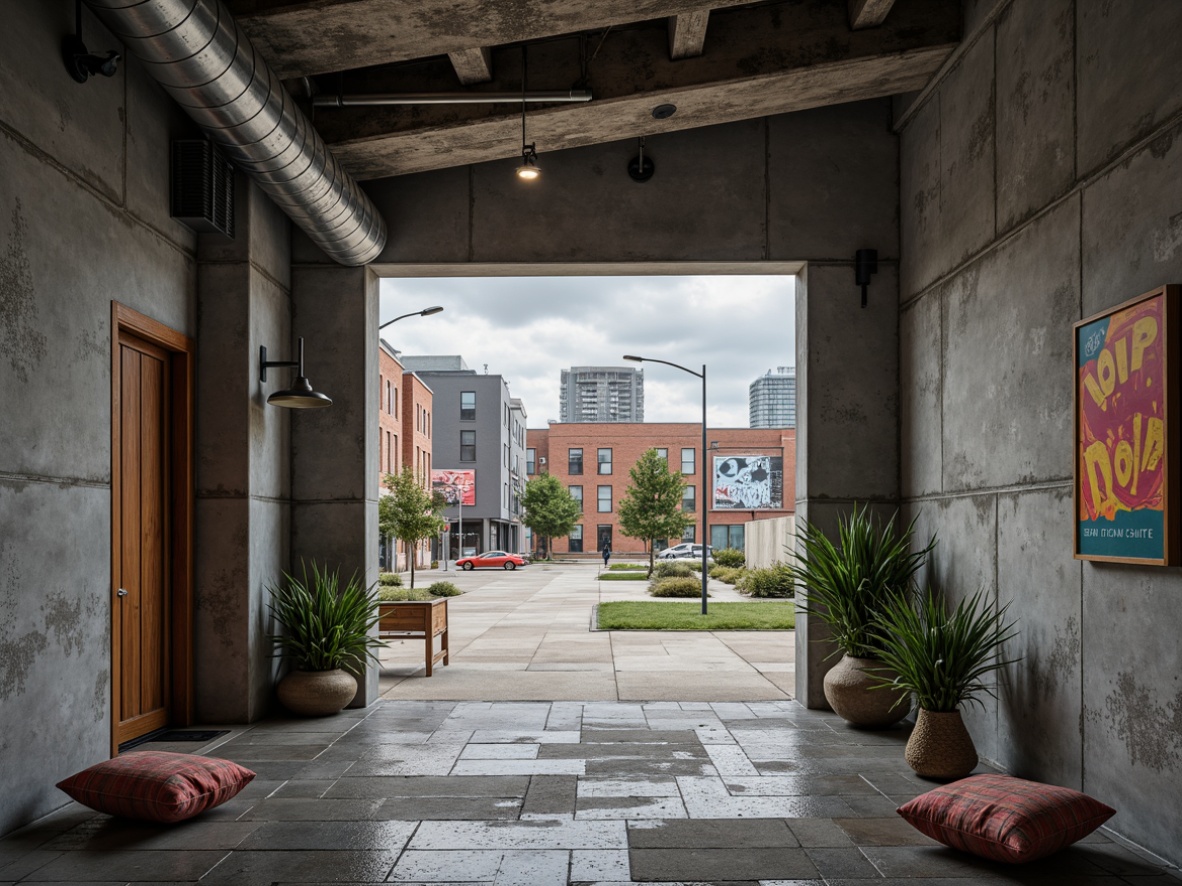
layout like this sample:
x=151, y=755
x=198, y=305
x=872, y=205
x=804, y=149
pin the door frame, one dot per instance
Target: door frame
x=182, y=351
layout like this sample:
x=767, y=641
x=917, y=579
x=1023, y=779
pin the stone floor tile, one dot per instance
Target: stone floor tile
x=536, y=736
x=796, y=785
x=313, y=810
x=738, y=836
x=730, y=760
x=519, y=767
x=842, y=863
x=708, y=798
x=629, y=808
x=611, y=864
x=720, y=864
x=628, y=767
x=447, y=867
x=500, y=752
x=303, y=787
x=449, y=808
x=628, y=787
x=819, y=832
x=346, y=835
x=883, y=832
x=98, y=865
x=533, y=868
x=430, y=786
x=112, y=834
x=540, y=834
x=550, y=795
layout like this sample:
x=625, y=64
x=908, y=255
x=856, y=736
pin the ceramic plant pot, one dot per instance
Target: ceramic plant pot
x=317, y=693
x=940, y=746
x=847, y=689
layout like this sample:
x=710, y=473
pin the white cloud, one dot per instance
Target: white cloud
x=530, y=328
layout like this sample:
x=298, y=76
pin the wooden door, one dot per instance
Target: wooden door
x=141, y=597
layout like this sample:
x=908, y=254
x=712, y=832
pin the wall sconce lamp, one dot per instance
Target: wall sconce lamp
x=865, y=264
x=80, y=63
x=300, y=395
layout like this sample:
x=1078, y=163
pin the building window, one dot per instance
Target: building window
x=604, y=497
x=505, y=496
x=467, y=446
x=689, y=499
x=575, y=540
x=690, y=532
x=389, y=397
x=604, y=536
x=574, y=461
x=506, y=455
x=687, y=461
x=663, y=454
x=389, y=453
x=605, y=461
x=467, y=406
x=576, y=492
x=531, y=461
x=394, y=457
x=724, y=536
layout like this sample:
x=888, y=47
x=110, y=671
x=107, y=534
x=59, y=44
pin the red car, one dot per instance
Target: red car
x=491, y=559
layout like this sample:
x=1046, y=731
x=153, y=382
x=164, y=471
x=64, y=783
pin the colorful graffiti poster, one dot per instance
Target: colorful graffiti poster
x=1123, y=435
x=456, y=486
x=748, y=483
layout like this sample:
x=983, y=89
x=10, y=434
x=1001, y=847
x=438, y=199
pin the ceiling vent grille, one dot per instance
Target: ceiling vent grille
x=202, y=187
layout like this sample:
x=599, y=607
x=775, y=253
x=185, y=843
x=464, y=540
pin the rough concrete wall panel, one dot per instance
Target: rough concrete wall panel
x=55, y=641
x=1036, y=107
x=1132, y=225
x=1041, y=732
x=1007, y=384
x=921, y=372
x=270, y=534
x=428, y=216
x=856, y=205
x=268, y=426
x=262, y=235
x=1133, y=700
x=1127, y=72
x=919, y=199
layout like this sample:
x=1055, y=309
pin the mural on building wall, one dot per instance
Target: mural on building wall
x=456, y=486
x=748, y=483
x=1125, y=412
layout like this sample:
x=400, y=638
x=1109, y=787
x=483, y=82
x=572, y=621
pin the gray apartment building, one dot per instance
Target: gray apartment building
x=478, y=427
x=601, y=393
x=772, y=399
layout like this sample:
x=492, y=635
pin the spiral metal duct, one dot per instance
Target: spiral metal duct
x=197, y=52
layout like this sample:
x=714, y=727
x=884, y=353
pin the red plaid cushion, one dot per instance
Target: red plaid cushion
x=1005, y=818
x=157, y=785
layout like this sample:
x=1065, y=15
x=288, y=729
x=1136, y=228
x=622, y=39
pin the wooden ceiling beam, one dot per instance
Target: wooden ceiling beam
x=687, y=34
x=869, y=13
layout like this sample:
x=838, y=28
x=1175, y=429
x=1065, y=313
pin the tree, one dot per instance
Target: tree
x=651, y=508
x=411, y=513
x=550, y=510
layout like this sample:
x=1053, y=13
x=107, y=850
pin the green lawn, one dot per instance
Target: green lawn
x=623, y=576
x=659, y=616
x=626, y=566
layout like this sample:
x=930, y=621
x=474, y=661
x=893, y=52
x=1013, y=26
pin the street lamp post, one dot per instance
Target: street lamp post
x=705, y=468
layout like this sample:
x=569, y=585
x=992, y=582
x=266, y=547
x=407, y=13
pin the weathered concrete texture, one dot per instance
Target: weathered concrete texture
x=428, y=216
x=1007, y=400
x=55, y=640
x=262, y=236
x=854, y=206
x=1126, y=75
x=1041, y=734
x=1132, y=698
x=919, y=199
x=1035, y=108
x=921, y=373
x=1133, y=212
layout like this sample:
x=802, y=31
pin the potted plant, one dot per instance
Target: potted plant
x=325, y=630
x=846, y=583
x=941, y=657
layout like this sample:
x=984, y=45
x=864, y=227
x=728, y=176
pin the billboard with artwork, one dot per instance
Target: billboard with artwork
x=456, y=486
x=748, y=483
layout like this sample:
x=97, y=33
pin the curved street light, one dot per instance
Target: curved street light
x=705, y=469
x=425, y=312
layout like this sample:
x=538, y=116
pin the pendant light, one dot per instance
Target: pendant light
x=528, y=171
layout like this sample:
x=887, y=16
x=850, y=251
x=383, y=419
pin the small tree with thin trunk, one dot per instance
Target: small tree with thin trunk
x=550, y=509
x=651, y=508
x=411, y=513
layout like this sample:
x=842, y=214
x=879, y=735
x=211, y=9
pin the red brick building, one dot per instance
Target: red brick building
x=753, y=473
x=404, y=436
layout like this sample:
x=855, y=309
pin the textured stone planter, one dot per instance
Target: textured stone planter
x=317, y=693
x=940, y=746
x=847, y=689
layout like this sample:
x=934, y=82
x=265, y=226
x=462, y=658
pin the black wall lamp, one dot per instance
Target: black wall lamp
x=300, y=395
x=80, y=63
x=865, y=264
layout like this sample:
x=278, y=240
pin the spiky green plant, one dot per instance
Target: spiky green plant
x=846, y=582
x=324, y=625
x=941, y=656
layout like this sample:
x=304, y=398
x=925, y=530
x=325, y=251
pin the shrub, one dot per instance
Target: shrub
x=770, y=581
x=672, y=569
x=731, y=557
x=397, y=595
x=390, y=580
x=728, y=574
x=677, y=587
x=443, y=589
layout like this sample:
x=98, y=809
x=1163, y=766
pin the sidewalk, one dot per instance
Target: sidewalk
x=526, y=635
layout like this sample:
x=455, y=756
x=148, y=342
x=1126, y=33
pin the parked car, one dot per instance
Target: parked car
x=492, y=560
x=685, y=551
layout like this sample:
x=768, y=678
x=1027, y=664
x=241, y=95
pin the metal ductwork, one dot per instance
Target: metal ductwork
x=197, y=52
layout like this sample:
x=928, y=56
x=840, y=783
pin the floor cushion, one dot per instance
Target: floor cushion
x=1003, y=818
x=157, y=785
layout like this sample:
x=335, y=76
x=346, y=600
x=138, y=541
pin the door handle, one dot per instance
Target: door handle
x=121, y=593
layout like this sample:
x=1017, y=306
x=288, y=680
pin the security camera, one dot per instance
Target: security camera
x=82, y=64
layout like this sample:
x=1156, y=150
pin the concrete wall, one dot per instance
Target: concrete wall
x=83, y=221
x=1041, y=183
x=767, y=540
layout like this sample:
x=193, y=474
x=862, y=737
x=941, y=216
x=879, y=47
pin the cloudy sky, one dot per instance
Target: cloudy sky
x=530, y=328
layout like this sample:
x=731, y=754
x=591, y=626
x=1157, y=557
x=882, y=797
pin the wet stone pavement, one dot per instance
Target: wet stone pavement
x=533, y=794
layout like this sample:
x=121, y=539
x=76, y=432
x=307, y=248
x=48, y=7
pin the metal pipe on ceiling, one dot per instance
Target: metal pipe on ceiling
x=197, y=52
x=449, y=98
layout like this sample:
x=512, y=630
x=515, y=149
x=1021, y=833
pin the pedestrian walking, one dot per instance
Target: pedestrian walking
x=607, y=553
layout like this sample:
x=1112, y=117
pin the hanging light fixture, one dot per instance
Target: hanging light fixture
x=528, y=171
x=300, y=395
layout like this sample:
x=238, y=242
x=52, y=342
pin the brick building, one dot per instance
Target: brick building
x=752, y=470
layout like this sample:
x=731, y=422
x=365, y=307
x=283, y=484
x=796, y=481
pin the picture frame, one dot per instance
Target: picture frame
x=1126, y=474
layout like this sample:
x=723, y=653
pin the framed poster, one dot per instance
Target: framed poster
x=748, y=483
x=1126, y=491
x=458, y=487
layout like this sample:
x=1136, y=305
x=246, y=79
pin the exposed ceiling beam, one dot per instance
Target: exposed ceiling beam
x=320, y=36
x=687, y=34
x=763, y=60
x=472, y=65
x=869, y=13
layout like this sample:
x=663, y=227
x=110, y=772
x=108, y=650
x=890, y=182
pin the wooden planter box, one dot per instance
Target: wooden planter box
x=412, y=619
